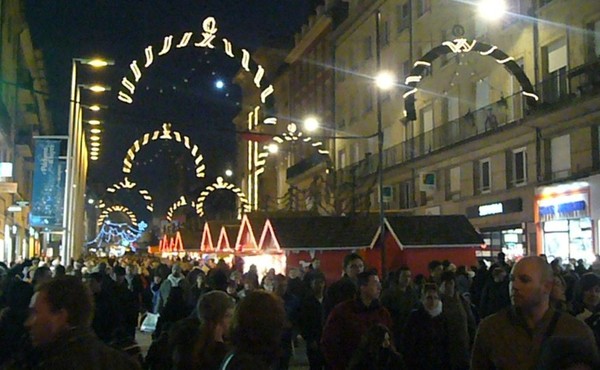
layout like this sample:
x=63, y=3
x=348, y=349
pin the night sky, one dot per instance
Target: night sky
x=178, y=88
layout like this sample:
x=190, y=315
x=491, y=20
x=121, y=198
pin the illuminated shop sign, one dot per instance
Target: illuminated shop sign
x=563, y=207
x=497, y=208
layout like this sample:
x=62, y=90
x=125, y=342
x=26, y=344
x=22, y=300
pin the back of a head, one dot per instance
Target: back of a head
x=69, y=293
x=212, y=306
x=258, y=323
x=364, y=277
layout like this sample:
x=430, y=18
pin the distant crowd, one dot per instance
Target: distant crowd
x=529, y=314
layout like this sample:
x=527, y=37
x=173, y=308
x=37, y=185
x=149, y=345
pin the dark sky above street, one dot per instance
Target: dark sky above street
x=180, y=87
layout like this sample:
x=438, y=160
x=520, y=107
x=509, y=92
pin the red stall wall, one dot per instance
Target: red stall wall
x=332, y=262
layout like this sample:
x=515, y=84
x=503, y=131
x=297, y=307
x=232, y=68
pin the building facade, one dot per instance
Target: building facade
x=23, y=114
x=522, y=167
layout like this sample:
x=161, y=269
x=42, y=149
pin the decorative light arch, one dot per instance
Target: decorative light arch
x=126, y=184
x=165, y=134
x=222, y=184
x=464, y=46
x=205, y=40
x=292, y=135
x=117, y=208
x=178, y=204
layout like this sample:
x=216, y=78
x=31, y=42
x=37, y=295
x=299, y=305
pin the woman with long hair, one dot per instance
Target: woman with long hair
x=215, y=312
x=377, y=351
x=258, y=324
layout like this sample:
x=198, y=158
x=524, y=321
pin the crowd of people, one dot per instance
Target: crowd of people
x=531, y=314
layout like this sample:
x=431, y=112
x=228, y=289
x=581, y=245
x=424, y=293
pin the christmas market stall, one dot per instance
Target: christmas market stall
x=247, y=246
x=414, y=241
x=328, y=239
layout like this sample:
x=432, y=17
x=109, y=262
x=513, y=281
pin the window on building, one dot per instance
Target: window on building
x=519, y=166
x=385, y=33
x=423, y=6
x=555, y=80
x=402, y=17
x=453, y=184
x=405, y=195
x=367, y=47
x=560, y=156
x=484, y=176
x=341, y=158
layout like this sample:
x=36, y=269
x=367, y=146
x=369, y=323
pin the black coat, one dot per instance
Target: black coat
x=427, y=345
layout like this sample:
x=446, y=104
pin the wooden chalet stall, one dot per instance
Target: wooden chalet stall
x=247, y=246
x=414, y=241
x=325, y=238
x=211, y=238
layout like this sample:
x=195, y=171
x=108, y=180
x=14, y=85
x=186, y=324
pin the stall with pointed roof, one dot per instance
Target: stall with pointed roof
x=248, y=249
x=414, y=241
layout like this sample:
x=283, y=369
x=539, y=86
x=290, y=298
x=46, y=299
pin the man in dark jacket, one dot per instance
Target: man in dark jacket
x=59, y=325
x=345, y=288
x=494, y=296
x=310, y=321
x=351, y=319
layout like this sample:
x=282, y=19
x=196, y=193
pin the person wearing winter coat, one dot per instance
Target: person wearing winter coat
x=427, y=348
x=175, y=279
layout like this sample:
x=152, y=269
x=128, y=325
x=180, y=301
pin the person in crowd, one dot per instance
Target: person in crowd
x=560, y=353
x=427, y=346
x=41, y=275
x=351, y=319
x=258, y=324
x=463, y=280
x=107, y=313
x=250, y=282
x=153, y=299
x=59, y=326
x=460, y=322
x=295, y=284
x=291, y=304
x=494, y=295
x=513, y=337
x=127, y=301
x=581, y=268
x=501, y=262
x=175, y=310
x=558, y=297
x=587, y=302
x=207, y=348
x=59, y=270
x=435, y=268
x=345, y=288
x=175, y=279
x=400, y=299
x=199, y=287
x=377, y=351
x=570, y=278
x=482, y=275
x=13, y=334
x=310, y=321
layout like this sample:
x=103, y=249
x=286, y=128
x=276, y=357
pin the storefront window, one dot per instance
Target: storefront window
x=569, y=239
x=509, y=241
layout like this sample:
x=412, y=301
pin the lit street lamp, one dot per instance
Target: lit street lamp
x=311, y=124
x=491, y=10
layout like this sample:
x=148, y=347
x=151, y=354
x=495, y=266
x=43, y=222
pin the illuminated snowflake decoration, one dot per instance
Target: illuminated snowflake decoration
x=126, y=184
x=178, y=204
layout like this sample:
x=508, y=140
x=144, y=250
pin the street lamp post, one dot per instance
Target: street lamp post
x=76, y=166
x=380, y=86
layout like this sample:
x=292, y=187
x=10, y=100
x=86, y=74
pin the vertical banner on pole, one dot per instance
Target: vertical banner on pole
x=46, y=200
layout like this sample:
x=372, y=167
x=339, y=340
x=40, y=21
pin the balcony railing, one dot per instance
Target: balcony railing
x=305, y=165
x=560, y=88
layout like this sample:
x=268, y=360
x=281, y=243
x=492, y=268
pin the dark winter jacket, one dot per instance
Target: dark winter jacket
x=346, y=325
x=427, y=345
x=79, y=348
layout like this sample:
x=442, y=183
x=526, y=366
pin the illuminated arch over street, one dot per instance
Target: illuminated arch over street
x=291, y=136
x=126, y=184
x=207, y=39
x=464, y=46
x=120, y=209
x=222, y=184
x=165, y=134
x=178, y=204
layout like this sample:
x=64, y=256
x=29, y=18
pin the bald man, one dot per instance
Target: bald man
x=513, y=337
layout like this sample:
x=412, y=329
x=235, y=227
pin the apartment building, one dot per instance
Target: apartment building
x=23, y=114
x=523, y=174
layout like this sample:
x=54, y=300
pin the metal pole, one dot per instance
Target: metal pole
x=69, y=166
x=380, y=146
